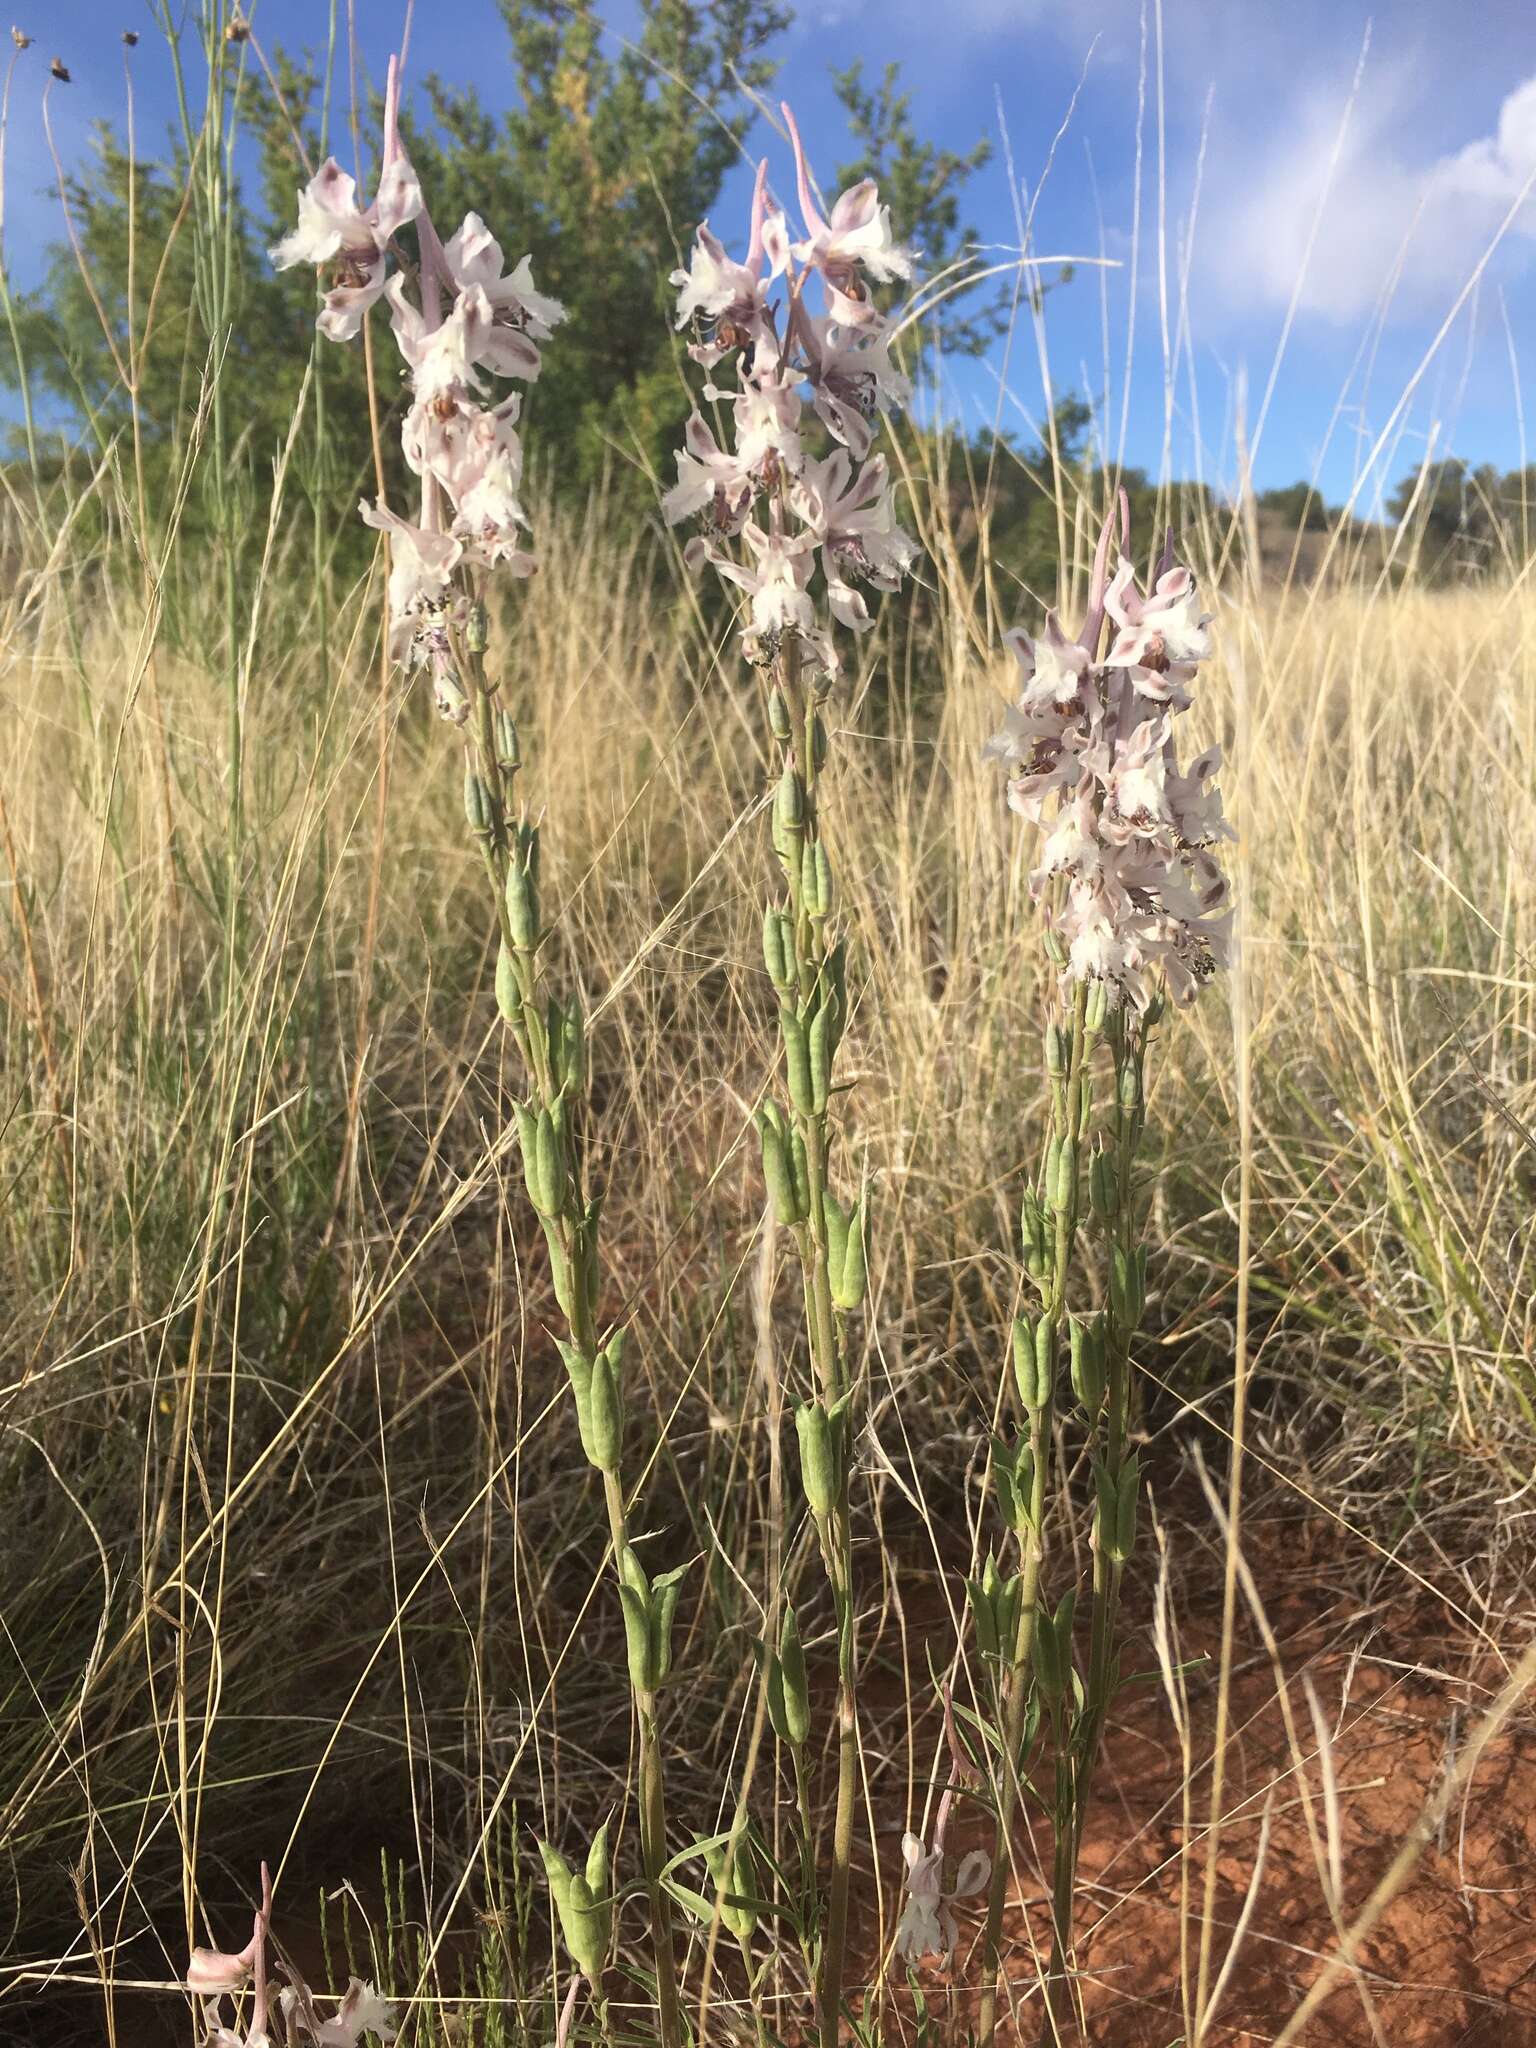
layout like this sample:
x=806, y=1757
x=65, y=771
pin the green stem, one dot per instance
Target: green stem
x=1067, y=1116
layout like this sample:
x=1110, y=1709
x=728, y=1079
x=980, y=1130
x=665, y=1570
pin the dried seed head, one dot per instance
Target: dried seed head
x=21, y=39
x=131, y=38
x=59, y=70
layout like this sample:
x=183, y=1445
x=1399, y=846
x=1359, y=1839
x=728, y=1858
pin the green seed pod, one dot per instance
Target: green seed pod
x=800, y=1168
x=522, y=905
x=738, y=1886
x=818, y=743
x=850, y=1278
x=1096, y=1010
x=835, y=1222
x=528, y=1145
x=777, y=1171
x=1087, y=1342
x=1013, y=1475
x=1055, y=1052
x=797, y=1061
x=1103, y=1187
x=817, y=884
x=821, y=1045
x=779, y=948
x=1064, y=1192
x=789, y=802
x=635, y=1599
x=549, y=1148
x=818, y=1458
x=982, y=1617
x=1034, y=1358
x=477, y=629
x=606, y=1407
x=509, y=753
x=1128, y=1087
x=509, y=997
x=582, y=1905
x=789, y=1690
x=477, y=803
x=664, y=1597
x=779, y=722
x=1117, y=1500
x=1128, y=1286
x=1035, y=1239
x=1055, y=950
x=1053, y=1650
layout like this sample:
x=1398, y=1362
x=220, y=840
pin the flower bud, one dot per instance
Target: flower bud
x=649, y=1611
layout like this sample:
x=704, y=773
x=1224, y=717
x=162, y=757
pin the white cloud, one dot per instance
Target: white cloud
x=1345, y=182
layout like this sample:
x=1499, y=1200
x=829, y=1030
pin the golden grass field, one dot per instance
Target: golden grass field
x=299, y=1559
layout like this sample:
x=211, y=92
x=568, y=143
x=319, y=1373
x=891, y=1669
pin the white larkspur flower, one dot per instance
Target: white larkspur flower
x=334, y=230
x=927, y=1926
x=853, y=238
x=520, y=316
x=1093, y=762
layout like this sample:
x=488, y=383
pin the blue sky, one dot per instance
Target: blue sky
x=1328, y=185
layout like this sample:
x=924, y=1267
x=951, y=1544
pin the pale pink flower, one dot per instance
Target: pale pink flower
x=709, y=481
x=441, y=356
x=519, y=315
x=927, y=1926
x=1052, y=668
x=854, y=238
x=1091, y=750
x=421, y=566
x=334, y=229
x=777, y=586
x=852, y=379
x=853, y=520
x=728, y=297
x=1158, y=634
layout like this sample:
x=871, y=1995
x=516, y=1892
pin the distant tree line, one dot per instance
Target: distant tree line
x=601, y=168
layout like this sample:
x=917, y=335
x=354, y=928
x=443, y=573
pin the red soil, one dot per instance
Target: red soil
x=1450, y=1964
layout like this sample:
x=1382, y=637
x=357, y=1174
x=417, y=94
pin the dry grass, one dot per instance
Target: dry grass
x=298, y=1559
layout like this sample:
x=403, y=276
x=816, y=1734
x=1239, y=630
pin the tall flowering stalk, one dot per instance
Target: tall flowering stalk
x=803, y=535
x=462, y=322
x=1136, y=913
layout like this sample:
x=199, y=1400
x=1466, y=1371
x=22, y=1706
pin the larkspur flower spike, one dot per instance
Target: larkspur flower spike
x=1130, y=836
x=815, y=531
x=459, y=319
